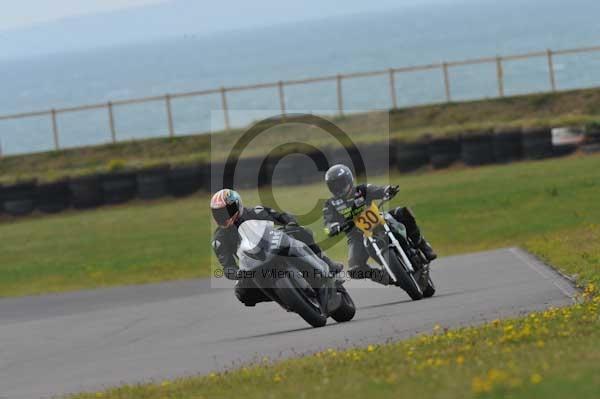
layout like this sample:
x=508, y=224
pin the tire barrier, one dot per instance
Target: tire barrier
x=185, y=180
x=378, y=157
x=247, y=173
x=118, y=188
x=292, y=169
x=86, y=192
x=537, y=143
x=216, y=179
x=284, y=170
x=312, y=166
x=591, y=142
x=295, y=168
x=19, y=199
x=152, y=183
x=411, y=155
x=53, y=197
x=339, y=155
x=477, y=149
x=507, y=145
x=443, y=152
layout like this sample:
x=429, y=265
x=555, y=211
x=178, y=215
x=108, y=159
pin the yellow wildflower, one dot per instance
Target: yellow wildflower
x=535, y=378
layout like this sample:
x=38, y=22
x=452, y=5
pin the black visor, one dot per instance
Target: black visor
x=339, y=187
x=222, y=215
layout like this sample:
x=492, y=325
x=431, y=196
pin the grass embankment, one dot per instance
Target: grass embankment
x=549, y=354
x=459, y=210
x=566, y=108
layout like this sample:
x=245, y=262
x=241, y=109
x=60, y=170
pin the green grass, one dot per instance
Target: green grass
x=576, y=251
x=549, y=354
x=558, y=109
x=459, y=210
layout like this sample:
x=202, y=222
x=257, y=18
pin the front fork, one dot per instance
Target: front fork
x=382, y=259
x=407, y=263
x=399, y=248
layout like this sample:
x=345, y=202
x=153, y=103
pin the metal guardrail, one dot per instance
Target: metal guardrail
x=444, y=67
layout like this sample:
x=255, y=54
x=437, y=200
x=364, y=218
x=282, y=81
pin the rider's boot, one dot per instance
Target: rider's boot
x=334, y=266
x=427, y=250
x=365, y=271
x=406, y=217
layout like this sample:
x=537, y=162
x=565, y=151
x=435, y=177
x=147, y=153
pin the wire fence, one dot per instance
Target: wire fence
x=498, y=62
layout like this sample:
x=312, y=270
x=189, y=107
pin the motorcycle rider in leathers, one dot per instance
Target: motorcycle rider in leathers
x=229, y=213
x=348, y=201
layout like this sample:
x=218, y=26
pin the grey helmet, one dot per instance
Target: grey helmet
x=340, y=180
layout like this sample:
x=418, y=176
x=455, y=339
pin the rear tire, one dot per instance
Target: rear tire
x=405, y=280
x=291, y=292
x=347, y=309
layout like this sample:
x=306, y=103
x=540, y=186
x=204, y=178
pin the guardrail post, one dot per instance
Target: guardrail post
x=393, y=89
x=340, y=97
x=111, y=122
x=55, y=130
x=224, y=106
x=170, y=115
x=447, y=82
x=500, y=72
x=551, y=70
x=281, y=97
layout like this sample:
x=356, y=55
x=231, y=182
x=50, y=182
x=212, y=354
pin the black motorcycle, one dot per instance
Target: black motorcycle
x=289, y=273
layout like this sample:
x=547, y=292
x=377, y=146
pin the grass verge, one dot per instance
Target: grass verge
x=459, y=211
x=549, y=354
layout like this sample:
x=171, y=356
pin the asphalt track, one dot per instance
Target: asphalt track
x=92, y=340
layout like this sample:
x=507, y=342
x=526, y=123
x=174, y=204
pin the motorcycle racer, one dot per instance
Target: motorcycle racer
x=229, y=213
x=348, y=201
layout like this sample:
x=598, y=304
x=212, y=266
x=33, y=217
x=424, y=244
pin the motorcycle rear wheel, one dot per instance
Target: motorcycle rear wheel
x=292, y=292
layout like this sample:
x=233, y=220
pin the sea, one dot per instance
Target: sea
x=415, y=35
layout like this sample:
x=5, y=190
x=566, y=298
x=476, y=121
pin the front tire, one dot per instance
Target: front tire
x=292, y=291
x=429, y=290
x=346, y=311
x=405, y=280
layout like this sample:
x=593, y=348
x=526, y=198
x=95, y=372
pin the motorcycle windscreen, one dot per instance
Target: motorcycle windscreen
x=254, y=236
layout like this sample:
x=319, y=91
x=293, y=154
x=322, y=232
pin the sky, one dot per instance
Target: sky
x=25, y=13
x=40, y=27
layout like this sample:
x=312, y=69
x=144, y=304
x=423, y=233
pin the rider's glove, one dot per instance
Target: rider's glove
x=390, y=192
x=334, y=229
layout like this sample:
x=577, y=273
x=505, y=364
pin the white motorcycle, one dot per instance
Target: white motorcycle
x=289, y=273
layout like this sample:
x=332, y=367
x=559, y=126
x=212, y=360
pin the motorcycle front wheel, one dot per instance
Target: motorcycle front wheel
x=405, y=280
x=295, y=292
x=429, y=290
x=347, y=309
